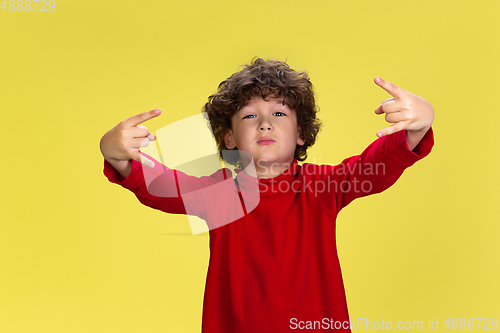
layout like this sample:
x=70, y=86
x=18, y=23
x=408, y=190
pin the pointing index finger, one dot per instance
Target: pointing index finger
x=142, y=117
x=391, y=88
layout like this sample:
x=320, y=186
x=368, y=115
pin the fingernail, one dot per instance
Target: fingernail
x=379, y=134
x=151, y=165
x=377, y=79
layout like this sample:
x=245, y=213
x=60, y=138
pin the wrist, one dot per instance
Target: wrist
x=422, y=130
x=124, y=167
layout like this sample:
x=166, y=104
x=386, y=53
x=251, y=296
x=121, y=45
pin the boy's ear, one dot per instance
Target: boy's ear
x=300, y=142
x=228, y=140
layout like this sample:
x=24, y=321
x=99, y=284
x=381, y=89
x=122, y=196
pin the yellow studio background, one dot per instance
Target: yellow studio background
x=79, y=254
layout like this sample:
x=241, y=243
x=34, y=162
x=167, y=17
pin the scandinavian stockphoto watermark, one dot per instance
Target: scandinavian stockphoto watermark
x=318, y=179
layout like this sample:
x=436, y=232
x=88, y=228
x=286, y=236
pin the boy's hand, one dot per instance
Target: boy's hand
x=407, y=111
x=123, y=141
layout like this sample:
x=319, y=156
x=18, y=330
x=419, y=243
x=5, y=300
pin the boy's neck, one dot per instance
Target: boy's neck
x=265, y=169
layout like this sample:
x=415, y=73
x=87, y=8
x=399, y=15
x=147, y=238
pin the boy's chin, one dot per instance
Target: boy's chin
x=264, y=159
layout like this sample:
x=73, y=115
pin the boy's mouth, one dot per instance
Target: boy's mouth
x=266, y=141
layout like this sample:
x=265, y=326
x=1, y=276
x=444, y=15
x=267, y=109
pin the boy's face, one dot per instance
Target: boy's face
x=260, y=119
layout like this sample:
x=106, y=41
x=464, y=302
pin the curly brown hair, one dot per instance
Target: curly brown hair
x=263, y=78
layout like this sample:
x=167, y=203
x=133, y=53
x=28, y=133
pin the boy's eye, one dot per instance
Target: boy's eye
x=251, y=115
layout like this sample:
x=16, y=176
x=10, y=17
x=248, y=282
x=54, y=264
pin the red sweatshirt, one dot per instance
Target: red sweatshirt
x=273, y=257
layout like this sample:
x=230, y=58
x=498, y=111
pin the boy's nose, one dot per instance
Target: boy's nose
x=265, y=125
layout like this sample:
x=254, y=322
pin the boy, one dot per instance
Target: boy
x=273, y=259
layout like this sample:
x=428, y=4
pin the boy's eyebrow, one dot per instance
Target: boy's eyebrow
x=279, y=100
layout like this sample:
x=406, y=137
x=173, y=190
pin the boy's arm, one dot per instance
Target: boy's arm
x=154, y=184
x=408, y=139
x=377, y=168
x=162, y=188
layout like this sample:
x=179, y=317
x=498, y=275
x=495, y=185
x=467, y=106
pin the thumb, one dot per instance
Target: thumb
x=137, y=156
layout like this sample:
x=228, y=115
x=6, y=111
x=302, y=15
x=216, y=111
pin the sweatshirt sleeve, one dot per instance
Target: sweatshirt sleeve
x=169, y=190
x=377, y=168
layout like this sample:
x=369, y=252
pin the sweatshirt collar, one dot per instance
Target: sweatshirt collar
x=249, y=182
